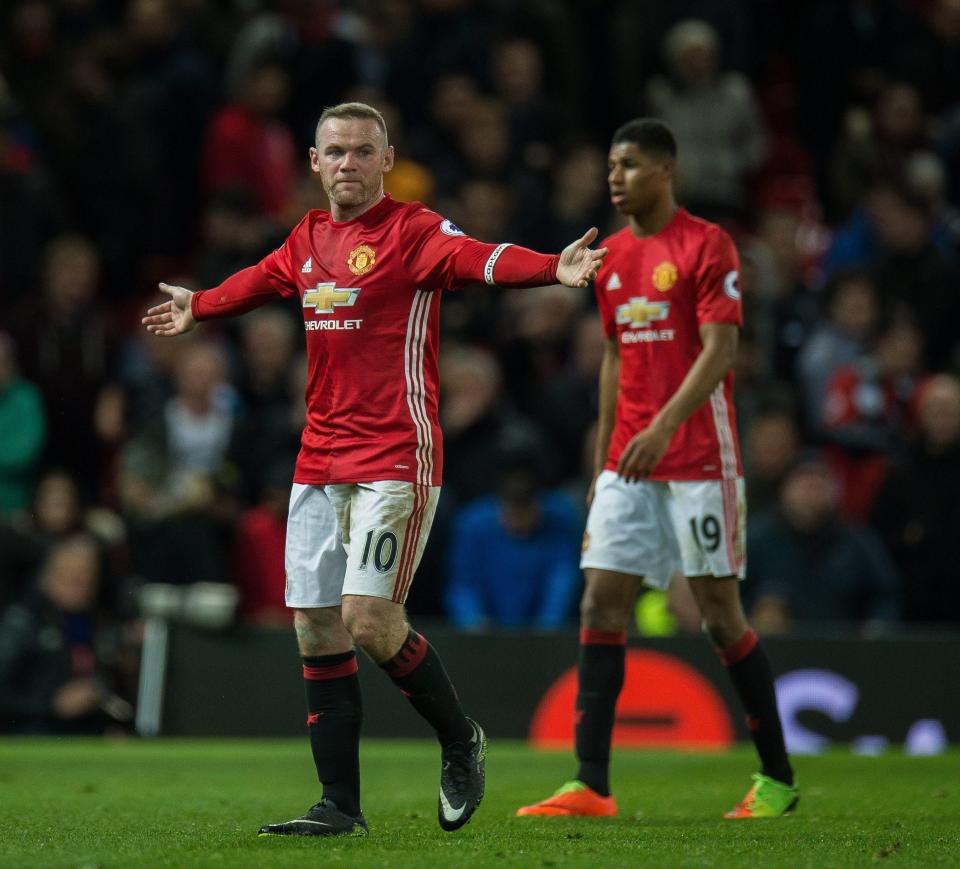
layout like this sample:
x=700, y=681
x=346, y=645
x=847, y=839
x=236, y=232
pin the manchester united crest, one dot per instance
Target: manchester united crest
x=665, y=276
x=362, y=259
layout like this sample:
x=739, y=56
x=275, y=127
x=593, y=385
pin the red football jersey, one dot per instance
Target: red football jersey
x=370, y=293
x=653, y=294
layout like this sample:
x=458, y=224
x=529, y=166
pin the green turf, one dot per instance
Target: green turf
x=70, y=803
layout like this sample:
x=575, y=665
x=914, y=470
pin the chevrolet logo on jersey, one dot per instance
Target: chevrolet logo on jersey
x=639, y=312
x=327, y=296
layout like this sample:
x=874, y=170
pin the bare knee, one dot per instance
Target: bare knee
x=377, y=626
x=719, y=602
x=607, y=601
x=321, y=632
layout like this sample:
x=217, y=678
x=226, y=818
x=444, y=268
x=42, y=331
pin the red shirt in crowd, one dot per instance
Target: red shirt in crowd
x=258, y=565
x=241, y=149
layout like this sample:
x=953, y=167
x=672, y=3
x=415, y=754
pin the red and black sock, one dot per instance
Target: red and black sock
x=334, y=713
x=750, y=673
x=418, y=672
x=599, y=679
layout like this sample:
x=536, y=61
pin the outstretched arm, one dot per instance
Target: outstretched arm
x=646, y=448
x=247, y=289
x=509, y=265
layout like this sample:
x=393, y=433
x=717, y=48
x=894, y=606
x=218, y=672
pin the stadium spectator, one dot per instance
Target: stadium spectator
x=56, y=657
x=536, y=120
x=480, y=430
x=485, y=207
x=878, y=147
x=916, y=278
x=178, y=538
x=268, y=435
x=31, y=210
x=513, y=557
x=409, y=180
x=267, y=345
x=234, y=230
x=258, y=551
x=145, y=372
x=926, y=177
x=771, y=445
x=807, y=564
x=164, y=98
x=536, y=340
x=930, y=56
x=780, y=307
x=248, y=145
x=193, y=432
x=23, y=423
x=66, y=347
x=852, y=317
x=580, y=193
x=869, y=414
x=565, y=403
x=719, y=127
x=917, y=512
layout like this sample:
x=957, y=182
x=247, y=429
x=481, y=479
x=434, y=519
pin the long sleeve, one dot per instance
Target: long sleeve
x=242, y=292
x=504, y=265
x=439, y=255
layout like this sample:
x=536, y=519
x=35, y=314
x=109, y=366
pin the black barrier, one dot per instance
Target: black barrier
x=868, y=693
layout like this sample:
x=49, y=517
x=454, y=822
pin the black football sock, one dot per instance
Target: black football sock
x=599, y=680
x=750, y=673
x=418, y=672
x=334, y=713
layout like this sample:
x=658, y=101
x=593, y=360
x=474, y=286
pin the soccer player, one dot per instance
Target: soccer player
x=369, y=275
x=668, y=490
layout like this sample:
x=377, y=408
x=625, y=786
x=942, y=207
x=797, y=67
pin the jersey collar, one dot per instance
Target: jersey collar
x=371, y=215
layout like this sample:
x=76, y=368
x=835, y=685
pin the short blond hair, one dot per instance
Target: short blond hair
x=360, y=111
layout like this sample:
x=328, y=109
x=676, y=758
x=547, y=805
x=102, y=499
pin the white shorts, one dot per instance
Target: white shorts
x=355, y=538
x=654, y=529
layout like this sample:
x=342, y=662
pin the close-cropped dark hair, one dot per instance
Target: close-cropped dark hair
x=650, y=135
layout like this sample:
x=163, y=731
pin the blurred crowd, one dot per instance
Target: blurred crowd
x=146, y=140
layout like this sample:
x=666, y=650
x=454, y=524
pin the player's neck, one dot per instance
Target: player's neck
x=651, y=222
x=341, y=215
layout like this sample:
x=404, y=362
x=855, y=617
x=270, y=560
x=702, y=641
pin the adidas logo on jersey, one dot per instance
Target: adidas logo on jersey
x=307, y=267
x=614, y=282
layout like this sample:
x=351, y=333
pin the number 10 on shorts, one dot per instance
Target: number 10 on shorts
x=383, y=551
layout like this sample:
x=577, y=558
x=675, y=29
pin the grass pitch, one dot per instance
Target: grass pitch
x=80, y=803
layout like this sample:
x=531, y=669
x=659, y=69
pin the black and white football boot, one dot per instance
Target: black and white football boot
x=462, y=779
x=323, y=819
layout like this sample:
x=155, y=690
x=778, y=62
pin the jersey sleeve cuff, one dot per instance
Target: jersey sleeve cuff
x=195, y=307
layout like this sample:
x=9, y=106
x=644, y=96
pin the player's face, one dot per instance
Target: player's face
x=637, y=180
x=350, y=158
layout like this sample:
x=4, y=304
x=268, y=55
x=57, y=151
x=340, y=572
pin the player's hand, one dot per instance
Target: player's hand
x=578, y=264
x=641, y=454
x=173, y=317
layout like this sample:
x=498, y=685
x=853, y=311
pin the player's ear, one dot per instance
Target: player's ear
x=314, y=159
x=388, y=156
